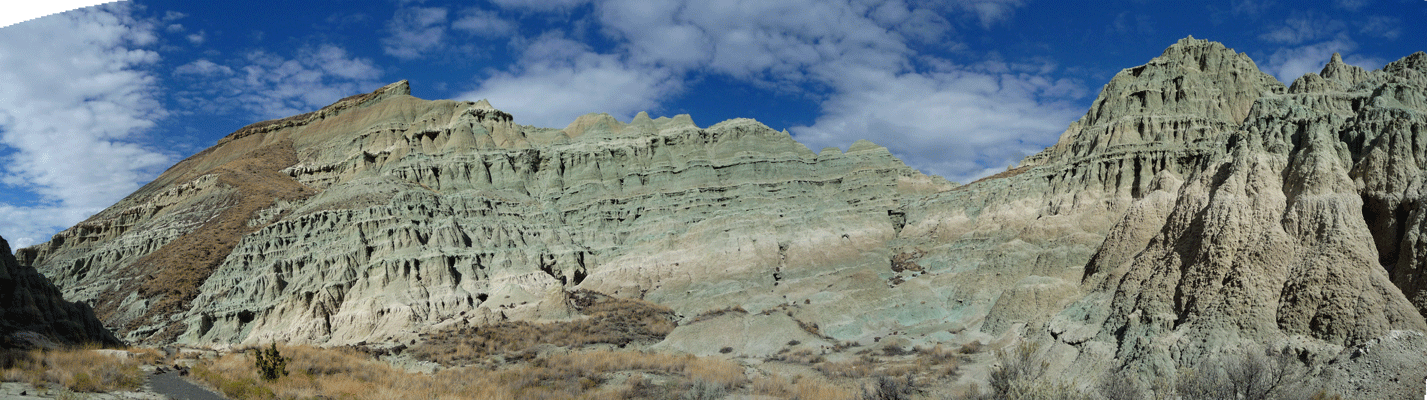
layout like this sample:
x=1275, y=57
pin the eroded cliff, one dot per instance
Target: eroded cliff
x=1199, y=207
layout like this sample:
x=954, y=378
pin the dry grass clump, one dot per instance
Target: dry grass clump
x=803, y=356
x=350, y=374
x=852, y=369
x=79, y=370
x=711, y=314
x=800, y=387
x=612, y=320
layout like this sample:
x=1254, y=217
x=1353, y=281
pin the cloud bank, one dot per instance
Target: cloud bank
x=962, y=121
x=73, y=113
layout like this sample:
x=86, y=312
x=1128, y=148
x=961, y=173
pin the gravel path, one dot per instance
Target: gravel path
x=171, y=384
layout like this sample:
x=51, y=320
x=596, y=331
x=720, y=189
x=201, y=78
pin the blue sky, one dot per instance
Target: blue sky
x=98, y=101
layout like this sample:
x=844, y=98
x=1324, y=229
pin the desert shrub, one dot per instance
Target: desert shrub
x=803, y=356
x=1020, y=375
x=1120, y=385
x=887, y=388
x=1259, y=375
x=270, y=363
x=700, y=389
x=972, y=348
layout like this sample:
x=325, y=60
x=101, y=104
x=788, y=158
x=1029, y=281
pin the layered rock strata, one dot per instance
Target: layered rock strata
x=1199, y=207
x=382, y=214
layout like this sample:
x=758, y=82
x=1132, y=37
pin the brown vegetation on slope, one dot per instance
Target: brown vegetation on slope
x=611, y=320
x=176, y=271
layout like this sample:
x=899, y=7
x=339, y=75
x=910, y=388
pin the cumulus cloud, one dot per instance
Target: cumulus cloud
x=267, y=85
x=1302, y=28
x=559, y=79
x=73, y=113
x=1352, y=5
x=962, y=124
x=540, y=5
x=415, y=31
x=1289, y=63
x=418, y=32
x=1384, y=27
x=960, y=121
x=483, y=23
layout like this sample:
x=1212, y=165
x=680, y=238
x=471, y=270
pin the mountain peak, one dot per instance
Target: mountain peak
x=1196, y=82
x=1347, y=75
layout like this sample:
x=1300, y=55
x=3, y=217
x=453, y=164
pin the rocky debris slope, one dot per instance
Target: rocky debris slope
x=33, y=312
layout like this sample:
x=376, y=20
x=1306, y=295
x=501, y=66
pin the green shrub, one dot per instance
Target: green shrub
x=271, y=364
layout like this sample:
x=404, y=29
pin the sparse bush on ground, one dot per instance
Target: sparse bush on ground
x=77, y=370
x=1260, y=375
x=887, y=388
x=613, y=320
x=1020, y=375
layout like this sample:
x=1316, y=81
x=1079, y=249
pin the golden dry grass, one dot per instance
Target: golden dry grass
x=349, y=374
x=79, y=369
x=800, y=387
x=174, y=272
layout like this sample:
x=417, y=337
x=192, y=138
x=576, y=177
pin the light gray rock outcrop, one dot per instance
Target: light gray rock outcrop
x=1290, y=237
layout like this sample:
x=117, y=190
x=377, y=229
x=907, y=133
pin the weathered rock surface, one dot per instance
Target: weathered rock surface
x=1199, y=207
x=1291, y=236
x=33, y=310
x=383, y=214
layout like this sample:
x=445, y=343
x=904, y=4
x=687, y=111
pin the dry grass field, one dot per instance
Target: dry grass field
x=80, y=370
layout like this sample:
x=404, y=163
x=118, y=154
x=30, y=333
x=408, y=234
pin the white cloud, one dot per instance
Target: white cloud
x=540, y=5
x=1302, y=28
x=1384, y=27
x=962, y=124
x=268, y=85
x=203, y=67
x=1352, y=5
x=415, y=31
x=483, y=23
x=197, y=38
x=558, y=80
x=961, y=121
x=1289, y=63
x=72, y=111
x=1250, y=7
x=990, y=12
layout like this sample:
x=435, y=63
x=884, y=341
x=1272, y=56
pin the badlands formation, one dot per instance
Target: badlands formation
x=1199, y=208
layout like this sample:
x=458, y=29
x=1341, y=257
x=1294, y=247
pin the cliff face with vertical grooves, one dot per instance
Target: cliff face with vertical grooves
x=1199, y=207
x=34, y=313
